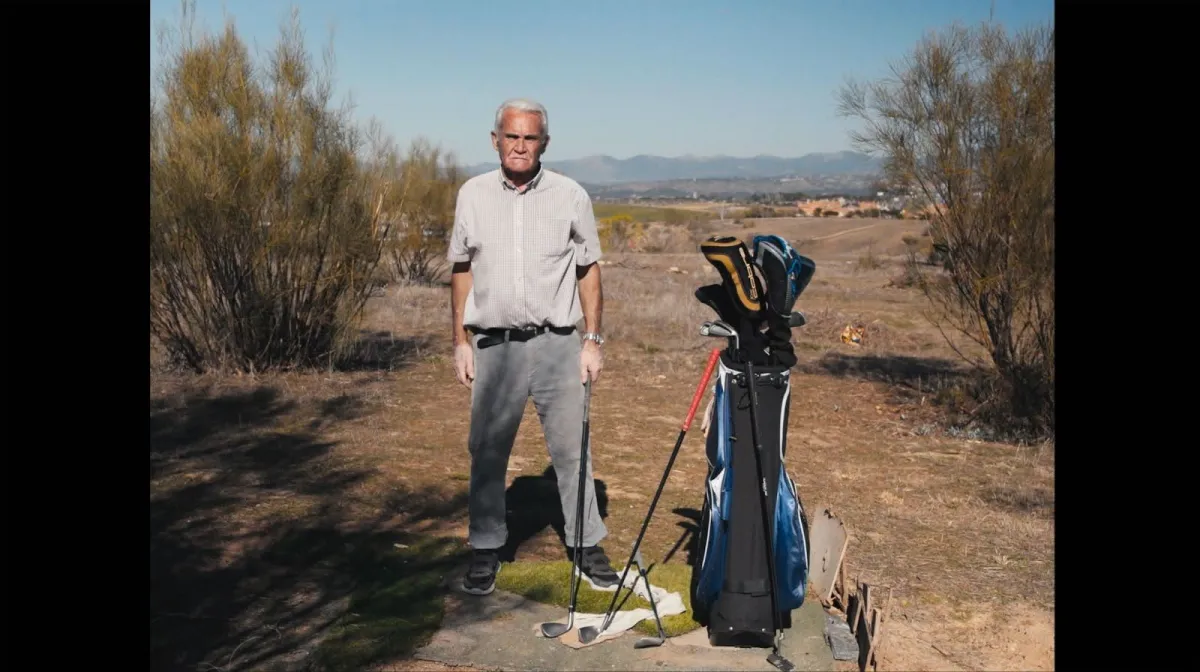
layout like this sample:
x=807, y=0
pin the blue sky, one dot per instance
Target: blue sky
x=619, y=77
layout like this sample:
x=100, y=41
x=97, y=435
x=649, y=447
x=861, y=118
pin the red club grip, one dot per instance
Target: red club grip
x=712, y=364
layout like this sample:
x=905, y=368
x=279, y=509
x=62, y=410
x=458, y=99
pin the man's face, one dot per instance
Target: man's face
x=520, y=142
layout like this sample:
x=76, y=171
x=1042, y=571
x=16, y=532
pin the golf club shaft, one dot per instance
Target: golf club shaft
x=713, y=357
x=758, y=459
x=577, y=568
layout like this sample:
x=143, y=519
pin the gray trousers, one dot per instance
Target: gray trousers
x=546, y=368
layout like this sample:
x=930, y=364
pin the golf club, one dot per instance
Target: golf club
x=776, y=658
x=553, y=629
x=721, y=329
x=647, y=642
x=589, y=633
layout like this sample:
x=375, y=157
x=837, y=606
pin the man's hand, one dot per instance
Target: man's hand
x=464, y=364
x=590, y=362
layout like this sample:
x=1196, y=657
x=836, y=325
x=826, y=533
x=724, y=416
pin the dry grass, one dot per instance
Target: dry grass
x=961, y=529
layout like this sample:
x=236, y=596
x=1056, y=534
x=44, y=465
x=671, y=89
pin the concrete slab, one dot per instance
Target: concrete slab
x=496, y=632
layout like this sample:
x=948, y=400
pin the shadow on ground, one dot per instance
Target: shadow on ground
x=902, y=370
x=384, y=351
x=533, y=505
x=255, y=560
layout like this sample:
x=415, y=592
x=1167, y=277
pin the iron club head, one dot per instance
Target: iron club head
x=588, y=633
x=555, y=630
x=721, y=329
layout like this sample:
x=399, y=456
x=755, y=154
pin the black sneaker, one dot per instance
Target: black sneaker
x=597, y=569
x=481, y=573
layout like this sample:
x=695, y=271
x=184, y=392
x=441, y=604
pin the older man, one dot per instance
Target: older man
x=524, y=250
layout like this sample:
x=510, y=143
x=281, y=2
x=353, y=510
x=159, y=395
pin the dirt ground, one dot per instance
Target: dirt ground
x=960, y=528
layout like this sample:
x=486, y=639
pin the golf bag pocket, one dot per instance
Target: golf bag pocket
x=791, y=545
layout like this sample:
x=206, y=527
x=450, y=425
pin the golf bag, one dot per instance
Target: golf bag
x=731, y=586
x=731, y=591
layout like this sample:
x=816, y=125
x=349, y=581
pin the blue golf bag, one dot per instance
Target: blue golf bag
x=744, y=534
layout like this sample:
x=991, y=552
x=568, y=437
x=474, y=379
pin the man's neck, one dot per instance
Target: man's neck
x=520, y=180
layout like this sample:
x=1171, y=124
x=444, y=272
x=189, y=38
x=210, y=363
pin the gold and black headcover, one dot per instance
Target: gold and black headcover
x=740, y=275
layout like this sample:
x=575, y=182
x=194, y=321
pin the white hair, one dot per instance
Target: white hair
x=523, y=105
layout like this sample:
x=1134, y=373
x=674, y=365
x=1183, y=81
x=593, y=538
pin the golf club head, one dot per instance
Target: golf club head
x=797, y=319
x=647, y=642
x=588, y=633
x=720, y=329
x=555, y=630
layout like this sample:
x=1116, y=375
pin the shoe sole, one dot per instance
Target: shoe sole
x=482, y=591
x=591, y=582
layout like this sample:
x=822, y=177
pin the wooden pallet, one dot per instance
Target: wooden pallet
x=829, y=541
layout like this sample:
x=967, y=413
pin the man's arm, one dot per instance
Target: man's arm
x=591, y=296
x=460, y=287
x=459, y=256
x=587, y=271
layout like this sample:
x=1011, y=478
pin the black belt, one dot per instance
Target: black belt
x=497, y=336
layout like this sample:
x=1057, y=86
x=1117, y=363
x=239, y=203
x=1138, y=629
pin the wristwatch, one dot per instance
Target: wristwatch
x=592, y=336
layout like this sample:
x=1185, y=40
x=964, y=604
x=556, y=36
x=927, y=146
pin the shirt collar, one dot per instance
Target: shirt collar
x=529, y=186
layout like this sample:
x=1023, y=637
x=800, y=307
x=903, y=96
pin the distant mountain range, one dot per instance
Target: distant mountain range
x=606, y=170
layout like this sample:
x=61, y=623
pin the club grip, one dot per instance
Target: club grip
x=712, y=364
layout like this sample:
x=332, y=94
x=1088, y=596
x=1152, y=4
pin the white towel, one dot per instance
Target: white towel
x=707, y=419
x=668, y=604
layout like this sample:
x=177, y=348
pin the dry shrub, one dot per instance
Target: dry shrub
x=620, y=233
x=268, y=208
x=421, y=229
x=668, y=239
x=968, y=122
x=869, y=261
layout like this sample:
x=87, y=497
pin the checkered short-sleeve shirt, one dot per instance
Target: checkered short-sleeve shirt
x=523, y=247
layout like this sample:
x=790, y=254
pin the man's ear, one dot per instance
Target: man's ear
x=495, y=142
x=545, y=144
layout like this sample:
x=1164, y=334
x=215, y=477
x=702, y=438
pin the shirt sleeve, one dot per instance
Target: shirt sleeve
x=583, y=232
x=460, y=247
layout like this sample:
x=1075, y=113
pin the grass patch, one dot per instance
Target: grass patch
x=647, y=213
x=548, y=582
x=397, y=604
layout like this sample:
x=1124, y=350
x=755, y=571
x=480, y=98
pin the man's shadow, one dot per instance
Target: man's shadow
x=533, y=504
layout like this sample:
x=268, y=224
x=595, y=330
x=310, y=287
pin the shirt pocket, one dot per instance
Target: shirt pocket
x=549, y=237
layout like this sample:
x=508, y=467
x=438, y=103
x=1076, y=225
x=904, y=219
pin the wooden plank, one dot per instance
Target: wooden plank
x=828, y=541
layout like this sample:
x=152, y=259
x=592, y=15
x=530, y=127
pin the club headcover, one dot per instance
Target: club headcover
x=742, y=278
x=714, y=296
x=785, y=271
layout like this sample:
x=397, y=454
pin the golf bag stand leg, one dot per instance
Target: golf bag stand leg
x=645, y=642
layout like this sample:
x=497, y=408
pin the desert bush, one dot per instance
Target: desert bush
x=968, y=121
x=620, y=232
x=266, y=207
